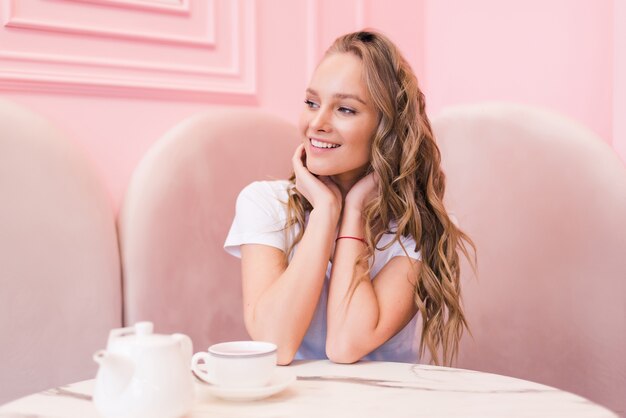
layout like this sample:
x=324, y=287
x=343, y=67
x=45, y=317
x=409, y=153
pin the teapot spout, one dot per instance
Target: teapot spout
x=114, y=374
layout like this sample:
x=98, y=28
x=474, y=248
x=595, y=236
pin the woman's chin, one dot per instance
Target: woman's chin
x=320, y=171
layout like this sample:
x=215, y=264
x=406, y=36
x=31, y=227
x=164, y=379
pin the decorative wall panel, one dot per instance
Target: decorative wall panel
x=168, y=6
x=189, y=48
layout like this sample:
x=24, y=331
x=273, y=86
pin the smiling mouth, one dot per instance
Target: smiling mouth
x=322, y=145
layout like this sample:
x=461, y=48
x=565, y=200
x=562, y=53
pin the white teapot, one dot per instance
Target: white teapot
x=144, y=374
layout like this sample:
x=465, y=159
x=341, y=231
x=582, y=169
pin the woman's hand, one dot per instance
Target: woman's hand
x=362, y=192
x=320, y=191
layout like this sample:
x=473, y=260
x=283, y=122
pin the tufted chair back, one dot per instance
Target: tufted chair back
x=544, y=199
x=60, y=276
x=177, y=212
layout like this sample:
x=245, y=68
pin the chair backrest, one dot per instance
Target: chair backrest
x=176, y=215
x=544, y=199
x=60, y=276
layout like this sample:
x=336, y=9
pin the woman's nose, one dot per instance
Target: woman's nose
x=320, y=121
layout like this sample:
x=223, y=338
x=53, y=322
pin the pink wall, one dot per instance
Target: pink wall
x=117, y=74
x=555, y=53
x=619, y=78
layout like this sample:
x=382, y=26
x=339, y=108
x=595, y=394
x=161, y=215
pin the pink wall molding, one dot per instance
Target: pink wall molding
x=62, y=24
x=163, y=6
x=139, y=69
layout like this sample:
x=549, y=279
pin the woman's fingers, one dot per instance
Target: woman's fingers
x=363, y=191
x=328, y=182
x=305, y=181
x=296, y=160
x=302, y=173
x=317, y=190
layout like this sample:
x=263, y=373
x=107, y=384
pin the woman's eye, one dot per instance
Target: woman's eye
x=310, y=104
x=347, y=110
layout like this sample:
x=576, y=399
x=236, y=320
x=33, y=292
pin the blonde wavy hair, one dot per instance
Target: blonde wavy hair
x=411, y=188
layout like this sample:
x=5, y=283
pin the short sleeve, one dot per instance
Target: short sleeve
x=409, y=245
x=259, y=217
x=382, y=257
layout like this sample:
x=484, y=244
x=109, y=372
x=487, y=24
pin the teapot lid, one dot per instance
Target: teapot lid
x=141, y=334
x=144, y=328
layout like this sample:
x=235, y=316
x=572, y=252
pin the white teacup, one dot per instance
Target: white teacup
x=236, y=364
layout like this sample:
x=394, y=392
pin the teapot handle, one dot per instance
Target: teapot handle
x=186, y=346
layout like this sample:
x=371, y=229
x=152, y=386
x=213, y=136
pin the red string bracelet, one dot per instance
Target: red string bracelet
x=349, y=237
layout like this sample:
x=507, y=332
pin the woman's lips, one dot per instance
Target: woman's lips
x=321, y=145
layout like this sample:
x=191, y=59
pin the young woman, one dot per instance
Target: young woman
x=338, y=260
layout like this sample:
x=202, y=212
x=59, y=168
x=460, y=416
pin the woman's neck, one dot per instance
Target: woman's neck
x=345, y=181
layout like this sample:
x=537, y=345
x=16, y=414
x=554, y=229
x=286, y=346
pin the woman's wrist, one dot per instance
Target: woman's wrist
x=352, y=223
x=351, y=237
x=352, y=213
x=330, y=210
x=352, y=204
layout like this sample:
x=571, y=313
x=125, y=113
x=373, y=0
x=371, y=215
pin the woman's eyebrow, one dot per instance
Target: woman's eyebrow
x=349, y=96
x=339, y=96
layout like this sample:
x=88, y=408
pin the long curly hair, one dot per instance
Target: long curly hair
x=411, y=188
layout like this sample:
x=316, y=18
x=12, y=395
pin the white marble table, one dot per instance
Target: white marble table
x=366, y=389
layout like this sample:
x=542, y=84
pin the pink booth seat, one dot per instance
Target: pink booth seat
x=177, y=212
x=545, y=201
x=59, y=261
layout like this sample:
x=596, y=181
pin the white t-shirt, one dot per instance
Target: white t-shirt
x=260, y=218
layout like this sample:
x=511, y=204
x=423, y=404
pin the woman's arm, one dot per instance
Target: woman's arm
x=280, y=299
x=378, y=309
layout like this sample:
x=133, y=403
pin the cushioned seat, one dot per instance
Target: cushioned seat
x=545, y=201
x=59, y=261
x=177, y=212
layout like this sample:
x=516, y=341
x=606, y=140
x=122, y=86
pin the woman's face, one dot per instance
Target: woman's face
x=338, y=120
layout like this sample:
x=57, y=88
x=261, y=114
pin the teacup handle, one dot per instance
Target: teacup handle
x=205, y=375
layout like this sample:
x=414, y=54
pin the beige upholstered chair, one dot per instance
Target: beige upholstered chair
x=177, y=212
x=59, y=262
x=545, y=201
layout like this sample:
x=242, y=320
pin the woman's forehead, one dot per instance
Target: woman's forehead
x=339, y=74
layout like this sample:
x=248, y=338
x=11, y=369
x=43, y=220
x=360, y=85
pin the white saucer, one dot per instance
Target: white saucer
x=278, y=383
